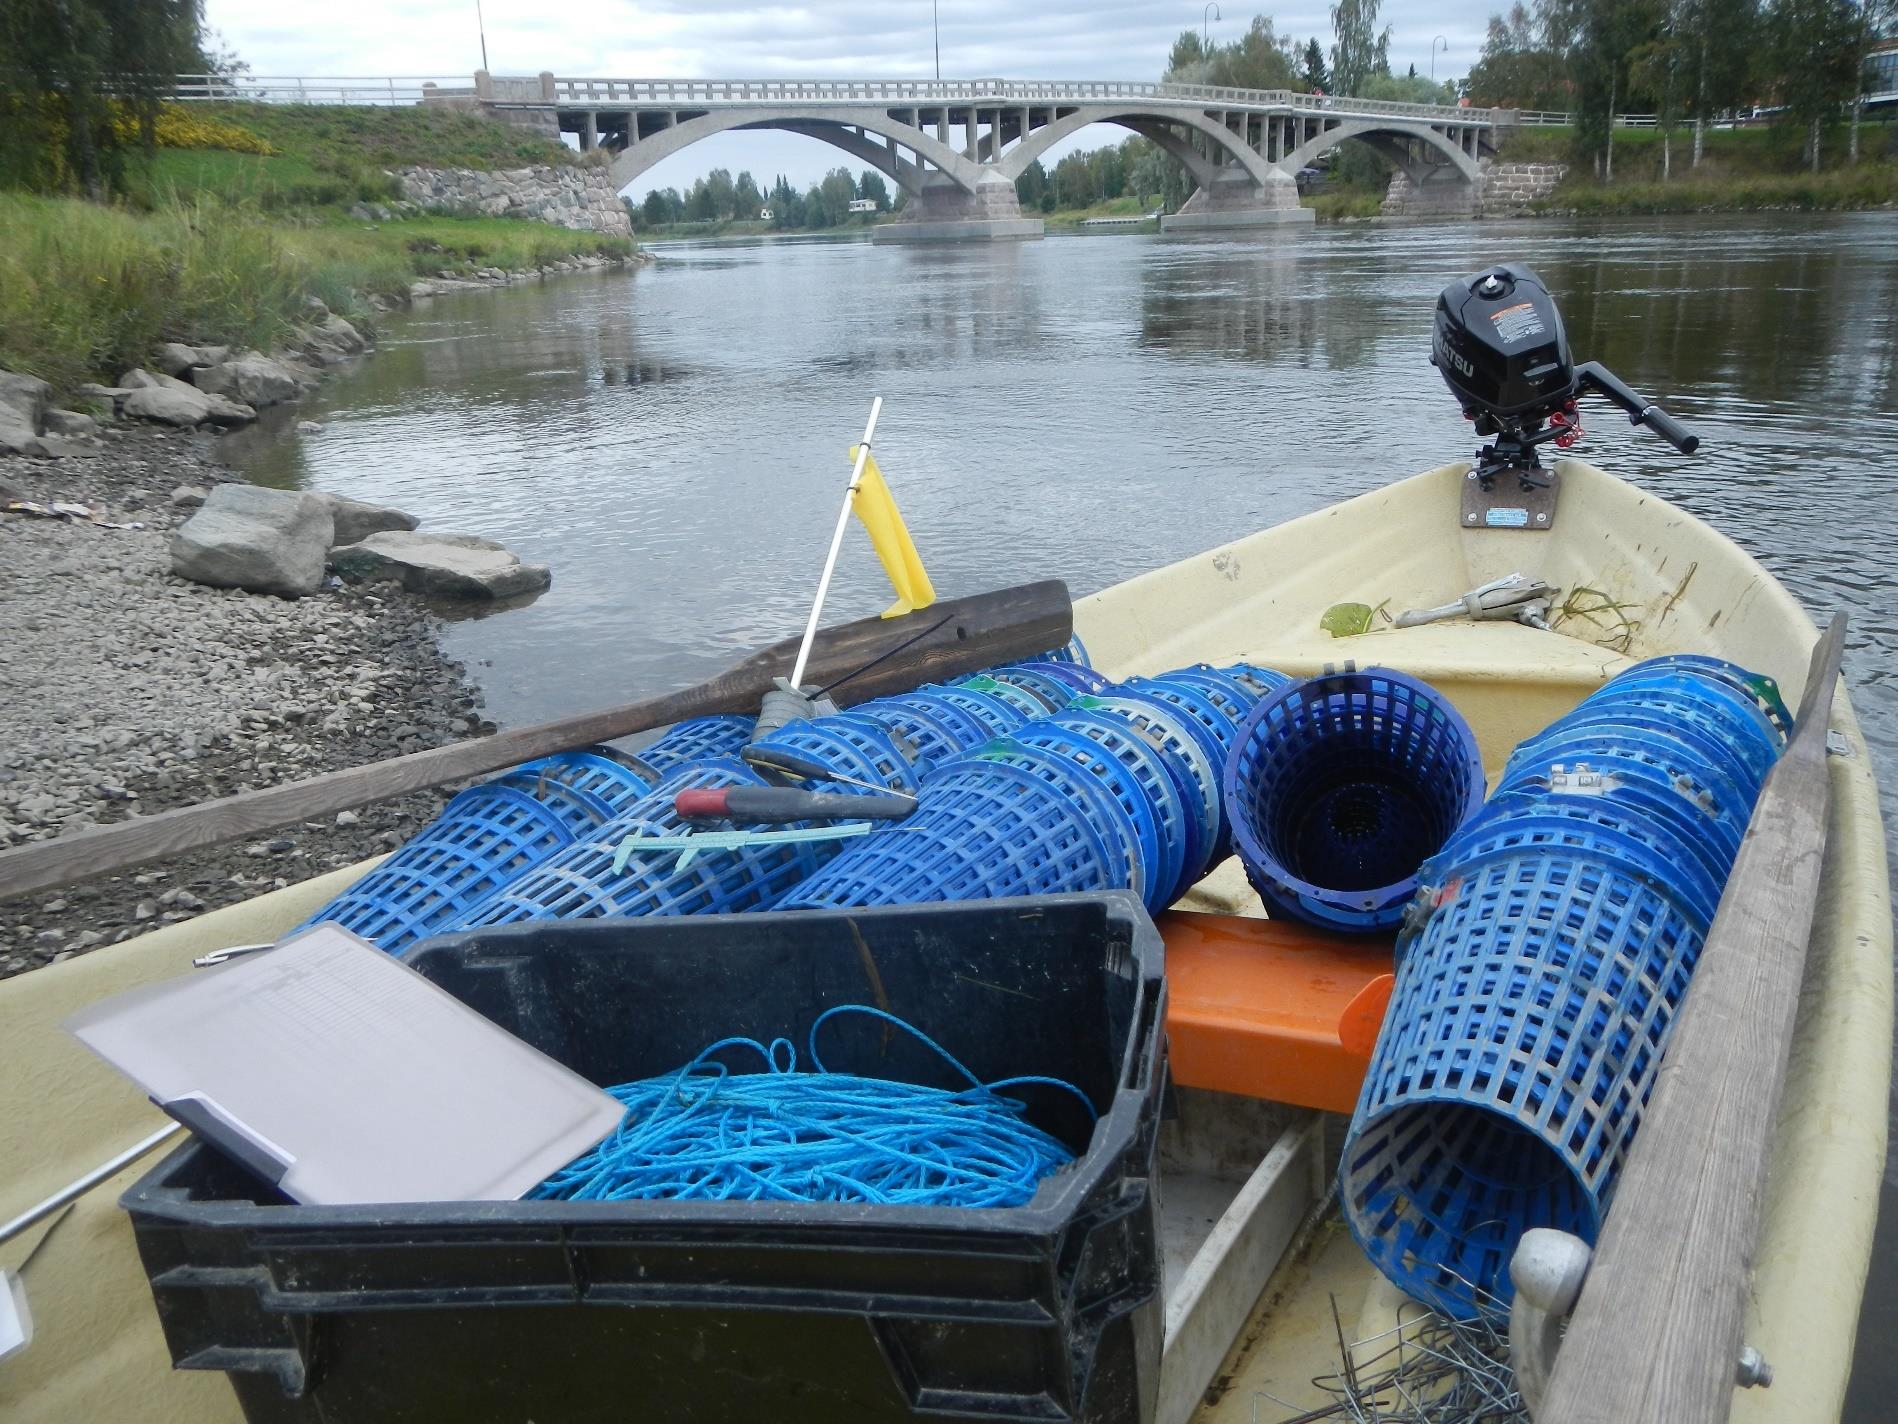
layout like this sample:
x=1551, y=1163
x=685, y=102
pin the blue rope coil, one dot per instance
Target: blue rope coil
x=709, y=1133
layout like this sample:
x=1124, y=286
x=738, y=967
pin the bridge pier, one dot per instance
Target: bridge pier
x=944, y=211
x=1239, y=202
x=1430, y=190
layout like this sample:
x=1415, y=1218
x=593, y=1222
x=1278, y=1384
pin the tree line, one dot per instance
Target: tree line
x=1695, y=62
x=719, y=197
x=1684, y=61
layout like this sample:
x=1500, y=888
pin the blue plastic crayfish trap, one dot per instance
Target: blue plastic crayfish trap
x=1338, y=789
x=1521, y=1043
x=1092, y=738
x=1034, y=692
x=849, y=745
x=984, y=831
x=484, y=839
x=1077, y=676
x=587, y=787
x=697, y=739
x=1109, y=794
x=582, y=881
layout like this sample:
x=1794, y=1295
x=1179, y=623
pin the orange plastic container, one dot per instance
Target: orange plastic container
x=1271, y=1009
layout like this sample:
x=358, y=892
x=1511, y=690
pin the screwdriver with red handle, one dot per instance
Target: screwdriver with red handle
x=787, y=803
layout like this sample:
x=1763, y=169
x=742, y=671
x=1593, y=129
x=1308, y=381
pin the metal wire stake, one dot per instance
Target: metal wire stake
x=73, y=1190
x=836, y=544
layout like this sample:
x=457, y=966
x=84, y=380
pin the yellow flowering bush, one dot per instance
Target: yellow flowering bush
x=186, y=126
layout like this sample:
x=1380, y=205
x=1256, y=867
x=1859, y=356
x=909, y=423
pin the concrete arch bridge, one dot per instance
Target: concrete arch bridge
x=957, y=146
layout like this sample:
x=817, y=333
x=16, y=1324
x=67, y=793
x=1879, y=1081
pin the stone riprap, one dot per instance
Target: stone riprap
x=1511, y=188
x=126, y=691
x=1501, y=190
x=580, y=197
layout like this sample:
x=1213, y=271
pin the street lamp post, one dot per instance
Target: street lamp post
x=1438, y=41
x=935, y=28
x=482, y=28
x=1205, y=27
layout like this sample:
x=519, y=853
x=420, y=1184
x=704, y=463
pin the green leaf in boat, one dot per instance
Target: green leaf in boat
x=1347, y=620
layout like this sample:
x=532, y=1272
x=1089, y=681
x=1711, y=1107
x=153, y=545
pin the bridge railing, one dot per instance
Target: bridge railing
x=1550, y=118
x=334, y=89
x=589, y=92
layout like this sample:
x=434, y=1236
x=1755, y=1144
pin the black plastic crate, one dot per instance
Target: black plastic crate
x=621, y=1311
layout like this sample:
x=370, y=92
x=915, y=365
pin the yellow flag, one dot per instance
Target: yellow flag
x=890, y=537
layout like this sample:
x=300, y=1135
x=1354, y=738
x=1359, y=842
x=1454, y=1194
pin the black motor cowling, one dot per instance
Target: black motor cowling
x=1500, y=346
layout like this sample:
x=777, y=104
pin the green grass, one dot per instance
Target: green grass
x=1870, y=185
x=1757, y=149
x=87, y=290
x=1740, y=170
x=1344, y=203
x=330, y=156
x=337, y=136
x=222, y=247
x=281, y=183
x=1128, y=205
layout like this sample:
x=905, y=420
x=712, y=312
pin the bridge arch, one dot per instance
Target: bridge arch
x=637, y=158
x=1386, y=139
x=1150, y=124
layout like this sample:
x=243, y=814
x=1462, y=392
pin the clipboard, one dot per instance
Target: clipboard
x=344, y=1077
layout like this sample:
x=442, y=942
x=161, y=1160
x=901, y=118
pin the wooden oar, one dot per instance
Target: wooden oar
x=865, y=659
x=1656, y=1333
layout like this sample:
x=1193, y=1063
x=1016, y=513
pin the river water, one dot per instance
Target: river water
x=673, y=442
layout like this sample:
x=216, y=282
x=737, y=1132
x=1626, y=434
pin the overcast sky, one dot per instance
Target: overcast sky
x=820, y=39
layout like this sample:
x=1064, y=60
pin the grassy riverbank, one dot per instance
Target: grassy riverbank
x=227, y=233
x=87, y=290
x=1747, y=169
x=1346, y=204
x=1128, y=206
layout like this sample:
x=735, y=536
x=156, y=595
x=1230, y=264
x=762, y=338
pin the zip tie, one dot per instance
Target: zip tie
x=690, y=844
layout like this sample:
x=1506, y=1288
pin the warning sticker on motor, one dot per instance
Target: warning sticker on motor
x=1518, y=323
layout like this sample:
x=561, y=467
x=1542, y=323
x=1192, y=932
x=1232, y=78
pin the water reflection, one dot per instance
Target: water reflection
x=672, y=442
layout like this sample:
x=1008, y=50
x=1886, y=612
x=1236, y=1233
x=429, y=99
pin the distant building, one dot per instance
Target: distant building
x=863, y=205
x=764, y=215
x=1881, y=68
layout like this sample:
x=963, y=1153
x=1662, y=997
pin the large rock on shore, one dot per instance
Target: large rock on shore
x=139, y=379
x=255, y=380
x=174, y=358
x=331, y=340
x=71, y=423
x=23, y=403
x=356, y=520
x=249, y=537
x=168, y=405
x=440, y=565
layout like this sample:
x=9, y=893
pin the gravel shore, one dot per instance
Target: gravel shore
x=125, y=690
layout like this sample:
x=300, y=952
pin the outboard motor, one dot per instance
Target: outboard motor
x=1501, y=349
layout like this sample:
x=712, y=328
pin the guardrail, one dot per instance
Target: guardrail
x=587, y=92
x=335, y=89
x=1547, y=118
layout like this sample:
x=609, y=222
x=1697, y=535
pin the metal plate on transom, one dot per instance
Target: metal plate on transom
x=1515, y=499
